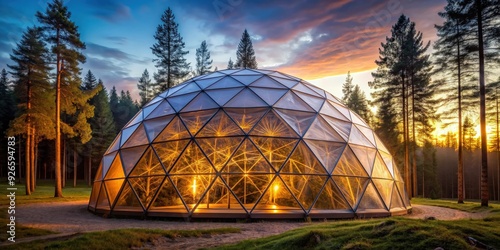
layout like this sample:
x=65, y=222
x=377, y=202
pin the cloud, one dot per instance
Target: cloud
x=121, y=40
x=110, y=10
x=109, y=53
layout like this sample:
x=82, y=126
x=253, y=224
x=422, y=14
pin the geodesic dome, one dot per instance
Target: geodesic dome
x=247, y=144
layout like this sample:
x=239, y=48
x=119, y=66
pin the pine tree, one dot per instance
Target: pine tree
x=347, y=87
x=31, y=84
x=169, y=50
x=147, y=89
x=89, y=81
x=357, y=102
x=124, y=110
x=62, y=34
x=230, y=64
x=203, y=62
x=5, y=103
x=245, y=56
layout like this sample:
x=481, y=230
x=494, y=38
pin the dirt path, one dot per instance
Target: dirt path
x=73, y=217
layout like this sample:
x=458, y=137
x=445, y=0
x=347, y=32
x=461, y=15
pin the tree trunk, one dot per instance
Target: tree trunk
x=482, y=110
x=90, y=170
x=405, y=140
x=32, y=159
x=64, y=163
x=29, y=146
x=460, y=174
x=58, y=184
x=414, y=139
x=74, y=167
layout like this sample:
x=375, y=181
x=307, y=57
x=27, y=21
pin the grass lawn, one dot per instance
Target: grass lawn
x=117, y=239
x=468, y=206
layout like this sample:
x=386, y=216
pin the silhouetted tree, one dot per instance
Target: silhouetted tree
x=203, y=62
x=245, y=55
x=147, y=89
x=230, y=64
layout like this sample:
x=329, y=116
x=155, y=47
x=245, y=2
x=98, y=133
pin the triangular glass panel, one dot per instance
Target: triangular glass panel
x=192, y=161
x=155, y=126
x=115, y=145
x=163, y=109
x=145, y=187
x=212, y=75
x=357, y=137
x=272, y=125
x=319, y=91
x=402, y=192
x=246, y=79
x=148, y=165
x=330, y=111
x=147, y=110
x=357, y=120
x=163, y=94
x=278, y=74
x=246, y=118
x=219, y=150
x=396, y=201
x=155, y=100
x=226, y=82
x=384, y=188
x=349, y=165
x=189, y=88
x=220, y=125
x=292, y=101
x=302, y=161
x=248, y=160
x=343, y=128
x=246, y=72
x=113, y=187
x=246, y=99
x=298, y=120
x=388, y=162
x=320, y=130
x=287, y=82
x=192, y=188
x=107, y=160
x=380, y=145
x=130, y=156
x=267, y=82
x=368, y=133
x=380, y=170
x=204, y=83
x=343, y=110
x=126, y=133
x=168, y=199
x=196, y=120
x=312, y=101
x=128, y=200
x=137, y=118
x=277, y=196
x=221, y=96
x=168, y=152
x=98, y=174
x=331, y=198
x=327, y=152
x=178, y=102
x=230, y=71
x=366, y=156
x=138, y=138
x=351, y=187
x=333, y=99
x=370, y=199
x=276, y=150
x=220, y=197
x=116, y=170
x=174, y=89
x=248, y=188
x=102, y=201
x=174, y=131
x=300, y=87
x=96, y=187
x=201, y=102
x=304, y=187
x=270, y=96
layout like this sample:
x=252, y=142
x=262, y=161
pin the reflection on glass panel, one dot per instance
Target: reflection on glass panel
x=304, y=89
x=226, y=82
x=247, y=159
x=396, y=201
x=286, y=82
x=96, y=187
x=192, y=188
x=356, y=119
x=98, y=175
x=298, y=120
x=316, y=89
x=162, y=110
x=221, y=96
x=113, y=187
x=246, y=99
x=128, y=201
x=168, y=198
x=148, y=109
x=102, y=201
x=340, y=107
x=148, y=165
x=246, y=79
x=116, y=170
x=293, y=102
x=126, y=133
x=169, y=151
x=189, y=88
x=384, y=188
x=277, y=197
x=155, y=126
x=137, y=118
x=174, y=131
x=366, y=156
x=303, y=161
x=203, y=83
x=320, y=130
x=200, y=102
x=368, y=134
x=343, y=128
x=115, y=145
x=269, y=95
x=107, y=160
x=219, y=150
x=178, y=102
x=220, y=125
x=272, y=125
x=145, y=187
x=380, y=170
x=348, y=165
x=276, y=150
x=195, y=120
x=314, y=102
x=305, y=187
x=130, y=156
x=246, y=118
x=331, y=198
x=357, y=137
x=192, y=161
x=327, y=152
x=351, y=187
x=330, y=111
x=267, y=82
x=380, y=145
x=138, y=138
x=370, y=199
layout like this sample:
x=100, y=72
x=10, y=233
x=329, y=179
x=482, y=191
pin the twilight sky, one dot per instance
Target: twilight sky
x=317, y=40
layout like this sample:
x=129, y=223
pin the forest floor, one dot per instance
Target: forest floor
x=72, y=217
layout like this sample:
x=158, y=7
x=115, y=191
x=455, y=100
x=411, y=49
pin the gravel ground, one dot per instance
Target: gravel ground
x=73, y=217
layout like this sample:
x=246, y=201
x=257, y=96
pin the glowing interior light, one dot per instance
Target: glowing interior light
x=194, y=188
x=276, y=188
